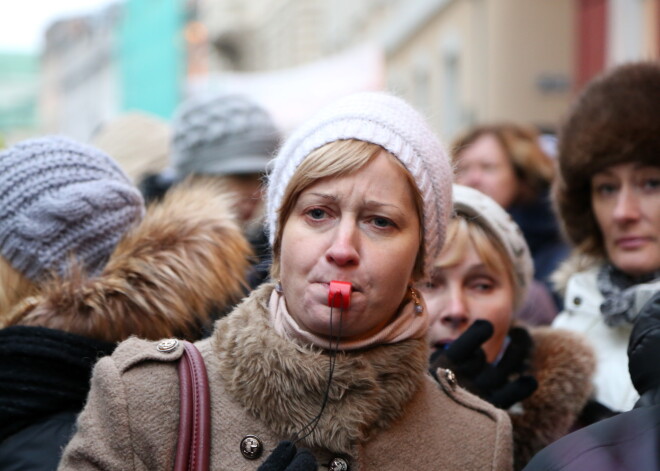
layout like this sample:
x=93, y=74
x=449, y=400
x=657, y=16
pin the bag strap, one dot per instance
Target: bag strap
x=194, y=445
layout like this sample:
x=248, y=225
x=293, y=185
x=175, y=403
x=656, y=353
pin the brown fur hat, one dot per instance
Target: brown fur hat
x=615, y=120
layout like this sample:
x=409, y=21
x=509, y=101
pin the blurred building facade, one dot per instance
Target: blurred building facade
x=460, y=61
x=19, y=82
x=127, y=56
x=79, y=88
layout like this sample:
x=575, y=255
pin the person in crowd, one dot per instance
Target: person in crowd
x=82, y=268
x=138, y=141
x=332, y=355
x=541, y=376
x=608, y=198
x=229, y=139
x=630, y=439
x=506, y=162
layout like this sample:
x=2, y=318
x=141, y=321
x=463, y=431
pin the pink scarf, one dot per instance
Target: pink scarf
x=405, y=325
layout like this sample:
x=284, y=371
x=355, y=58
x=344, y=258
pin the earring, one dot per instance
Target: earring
x=278, y=287
x=419, y=308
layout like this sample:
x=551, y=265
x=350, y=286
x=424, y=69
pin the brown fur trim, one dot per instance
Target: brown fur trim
x=283, y=383
x=563, y=364
x=162, y=279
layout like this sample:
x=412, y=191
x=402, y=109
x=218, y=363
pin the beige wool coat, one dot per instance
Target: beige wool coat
x=384, y=411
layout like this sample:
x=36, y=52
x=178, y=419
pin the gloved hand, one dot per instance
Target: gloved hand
x=502, y=384
x=644, y=351
x=285, y=457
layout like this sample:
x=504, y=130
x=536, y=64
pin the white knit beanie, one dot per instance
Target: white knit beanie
x=391, y=123
x=491, y=216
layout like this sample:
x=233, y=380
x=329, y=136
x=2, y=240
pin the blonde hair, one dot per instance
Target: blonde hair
x=336, y=159
x=463, y=231
x=14, y=287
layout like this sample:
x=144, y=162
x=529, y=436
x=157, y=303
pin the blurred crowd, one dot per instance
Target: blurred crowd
x=502, y=305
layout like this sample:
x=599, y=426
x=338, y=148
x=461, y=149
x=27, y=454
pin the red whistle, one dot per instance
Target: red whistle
x=339, y=294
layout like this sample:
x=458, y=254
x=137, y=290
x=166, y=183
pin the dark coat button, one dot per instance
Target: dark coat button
x=251, y=447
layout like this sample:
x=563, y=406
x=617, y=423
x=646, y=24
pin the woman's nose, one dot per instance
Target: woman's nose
x=343, y=249
x=456, y=315
x=627, y=206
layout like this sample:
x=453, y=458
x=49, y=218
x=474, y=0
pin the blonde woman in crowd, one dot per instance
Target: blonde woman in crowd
x=541, y=376
x=333, y=355
x=506, y=162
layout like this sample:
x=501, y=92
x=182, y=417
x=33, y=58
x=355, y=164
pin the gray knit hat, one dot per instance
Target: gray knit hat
x=390, y=122
x=222, y=135
x=494, y=219
x=58, y=199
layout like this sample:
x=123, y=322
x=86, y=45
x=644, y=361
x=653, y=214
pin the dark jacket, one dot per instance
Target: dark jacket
x=629, y=440
x=541, y=230
x=44, y=380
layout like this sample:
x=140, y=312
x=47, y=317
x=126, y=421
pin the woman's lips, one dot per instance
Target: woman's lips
x=631, y=242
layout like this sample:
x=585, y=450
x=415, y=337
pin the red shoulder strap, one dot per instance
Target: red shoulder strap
x=194, y=445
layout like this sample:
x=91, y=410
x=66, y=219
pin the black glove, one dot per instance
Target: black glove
x=285, y=457
x=502, y=384
x=644, y=351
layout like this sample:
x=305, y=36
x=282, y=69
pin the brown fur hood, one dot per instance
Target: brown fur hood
x=187, y=255
x=563, y=364
x=282, y=383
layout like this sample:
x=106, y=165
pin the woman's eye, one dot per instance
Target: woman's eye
x=316, y=213
x=605, y=188
x=652, y=184
x=483, y=286
x=382, y=222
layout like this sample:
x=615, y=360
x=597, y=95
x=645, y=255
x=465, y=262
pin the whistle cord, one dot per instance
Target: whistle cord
x=312, y=424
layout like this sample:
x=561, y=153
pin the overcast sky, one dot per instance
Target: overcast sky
x=23, y=22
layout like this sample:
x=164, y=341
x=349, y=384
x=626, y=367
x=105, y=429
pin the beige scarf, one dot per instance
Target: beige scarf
x=405, y=325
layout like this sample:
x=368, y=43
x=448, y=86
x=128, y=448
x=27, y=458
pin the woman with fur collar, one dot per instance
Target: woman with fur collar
x=83, y=268
x=541, y=376
x=360, y=194
x=608, y=197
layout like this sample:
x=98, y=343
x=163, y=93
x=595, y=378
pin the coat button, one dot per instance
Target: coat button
x=168, y=345
x=451, y=377
x=338, y=464
x=577, y=300
x=251, y=447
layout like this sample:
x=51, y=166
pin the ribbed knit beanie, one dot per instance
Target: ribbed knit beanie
x=493, y=218
x=391, y=123
x=222, y=134
x=58, y=199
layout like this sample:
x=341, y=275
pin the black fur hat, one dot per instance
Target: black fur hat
x=615, y=120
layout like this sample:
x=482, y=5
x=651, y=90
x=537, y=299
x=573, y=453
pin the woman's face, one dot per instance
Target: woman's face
x=626, y=202
x=362, y=228
x=461, y=293
x=483, y=165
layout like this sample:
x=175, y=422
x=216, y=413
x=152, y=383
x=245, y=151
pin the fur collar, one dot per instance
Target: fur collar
x=563, y=364
x=577, y=262
x=186, y=256
x=282, y=383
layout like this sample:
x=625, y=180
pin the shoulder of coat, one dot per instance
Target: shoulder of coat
x=134, y=351
x=447, y=384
